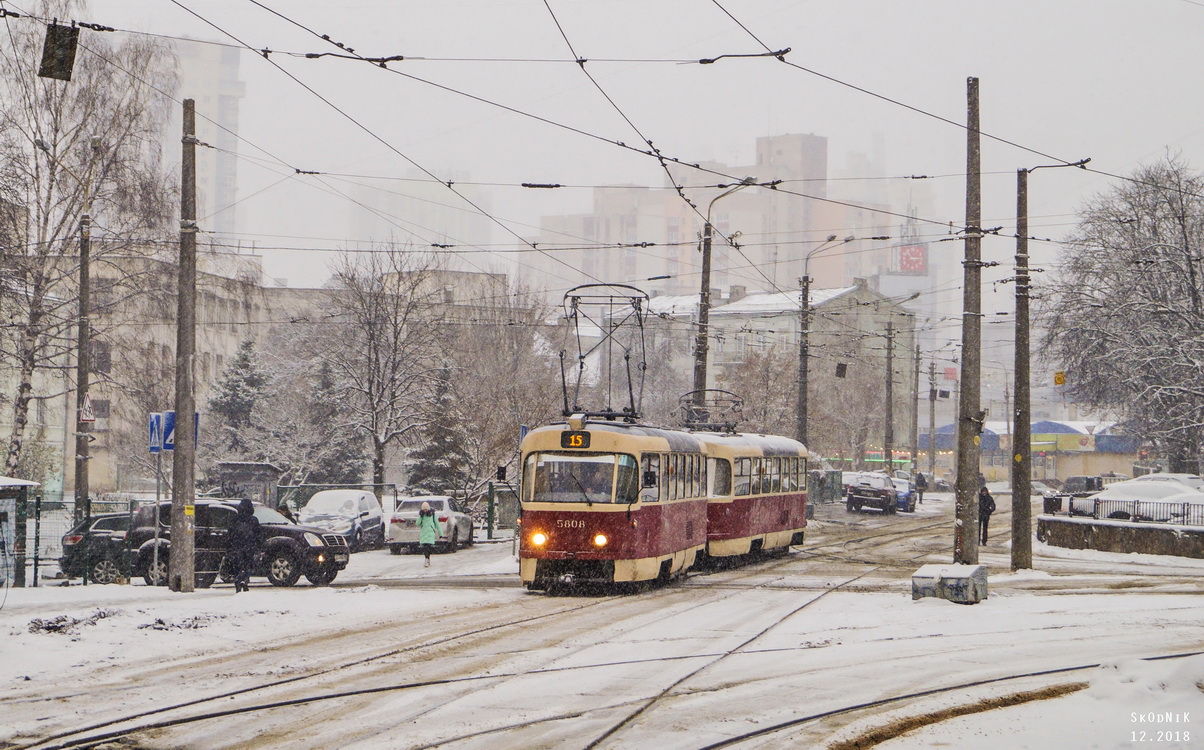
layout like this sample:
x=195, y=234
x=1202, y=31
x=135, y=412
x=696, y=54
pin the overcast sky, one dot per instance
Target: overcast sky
x=1108, y=79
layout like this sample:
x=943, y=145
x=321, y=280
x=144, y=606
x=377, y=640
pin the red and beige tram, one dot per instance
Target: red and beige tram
x=610, y=502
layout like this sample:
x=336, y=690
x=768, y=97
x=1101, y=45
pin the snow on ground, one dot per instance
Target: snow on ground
x=1129, y=704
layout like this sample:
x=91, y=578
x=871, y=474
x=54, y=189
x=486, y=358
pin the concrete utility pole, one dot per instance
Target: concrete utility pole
x=915, y=412
x=702, y=345
x=931, y=420
x=888, y=432
x=970, y=418
x=181, y=562
x=1022, y=524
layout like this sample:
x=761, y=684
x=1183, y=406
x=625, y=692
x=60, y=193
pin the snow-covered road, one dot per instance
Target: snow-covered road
x=398, y=656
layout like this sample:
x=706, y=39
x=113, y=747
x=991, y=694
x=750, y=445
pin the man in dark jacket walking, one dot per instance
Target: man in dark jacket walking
x=242, y=544
x=986, y=506
x=921, y=485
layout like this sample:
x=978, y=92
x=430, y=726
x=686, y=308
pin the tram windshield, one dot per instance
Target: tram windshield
x=581, y=478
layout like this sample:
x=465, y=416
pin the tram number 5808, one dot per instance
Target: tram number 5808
x=574, y=439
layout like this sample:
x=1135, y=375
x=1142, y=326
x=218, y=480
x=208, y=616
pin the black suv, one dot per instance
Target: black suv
x=286, y=551
x=97, y=545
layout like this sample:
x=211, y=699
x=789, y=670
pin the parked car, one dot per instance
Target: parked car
x=1194, y=481
x=875, y=491
x=1081, y=486
x=355, y=514
x=455, y=526
x=287, y=552
x=97, y=545
x=905, y=494
x=847, y=480
x=1149, y=501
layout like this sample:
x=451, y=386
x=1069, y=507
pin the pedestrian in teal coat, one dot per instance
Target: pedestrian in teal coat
x=428, y=532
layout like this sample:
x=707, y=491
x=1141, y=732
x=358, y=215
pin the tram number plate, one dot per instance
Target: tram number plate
x=574, y=439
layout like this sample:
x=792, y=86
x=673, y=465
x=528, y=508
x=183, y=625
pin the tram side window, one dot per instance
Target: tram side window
x=790, y=474
x=721, y=470
x=528, y=482
x=627, y=480
x=682, y=477
x=651, y=465
x=774, y=474
x=695, y=475
x=743, y=475
x=758, y=478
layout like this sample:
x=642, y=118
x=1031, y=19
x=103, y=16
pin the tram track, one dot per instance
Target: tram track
x=895, y=699
x=771, y=574
x=419, y=648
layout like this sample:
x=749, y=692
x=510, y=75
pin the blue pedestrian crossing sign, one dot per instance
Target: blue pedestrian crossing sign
x=169, y=429
x=156, y=432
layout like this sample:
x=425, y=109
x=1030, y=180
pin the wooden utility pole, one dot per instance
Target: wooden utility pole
x=181, y=562
x=1022, y=525
x=804, y=349
x=83, y=367
x=970, y=417
x=888, y=437
x=931, y=422
x=83, y=356
x=704, y=319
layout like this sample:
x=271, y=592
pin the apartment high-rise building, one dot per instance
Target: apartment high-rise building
x=209, y=75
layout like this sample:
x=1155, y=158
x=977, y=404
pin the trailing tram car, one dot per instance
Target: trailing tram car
x=758, y=494
x=606, y=502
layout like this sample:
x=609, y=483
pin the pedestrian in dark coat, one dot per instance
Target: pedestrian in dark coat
x=242, y=544
x=986, y=506
x=921, y=485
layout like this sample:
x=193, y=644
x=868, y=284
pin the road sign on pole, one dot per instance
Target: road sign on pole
x=169, y=429
x=156, y=432
x=86, y=412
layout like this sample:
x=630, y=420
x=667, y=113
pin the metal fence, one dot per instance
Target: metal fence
x=1138, y=511
x=48, y=520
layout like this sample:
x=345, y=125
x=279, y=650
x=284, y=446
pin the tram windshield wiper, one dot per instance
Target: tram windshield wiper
x=584, y=493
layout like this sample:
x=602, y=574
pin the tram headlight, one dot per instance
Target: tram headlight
x=600, y=540
x=539, y=539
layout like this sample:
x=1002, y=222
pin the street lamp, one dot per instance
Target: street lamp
x=704, y=302
x=804, y=331
x=1022, y=453
x=83, y=338
x=1007, y=405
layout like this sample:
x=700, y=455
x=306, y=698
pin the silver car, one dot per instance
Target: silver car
x=455, y=525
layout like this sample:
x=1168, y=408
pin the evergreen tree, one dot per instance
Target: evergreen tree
x=241, y=388
x=343, y=458
x=441, y=464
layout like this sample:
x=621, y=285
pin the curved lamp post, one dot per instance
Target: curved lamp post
x=704, y=300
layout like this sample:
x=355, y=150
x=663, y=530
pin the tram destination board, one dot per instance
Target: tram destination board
x=574, y=439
